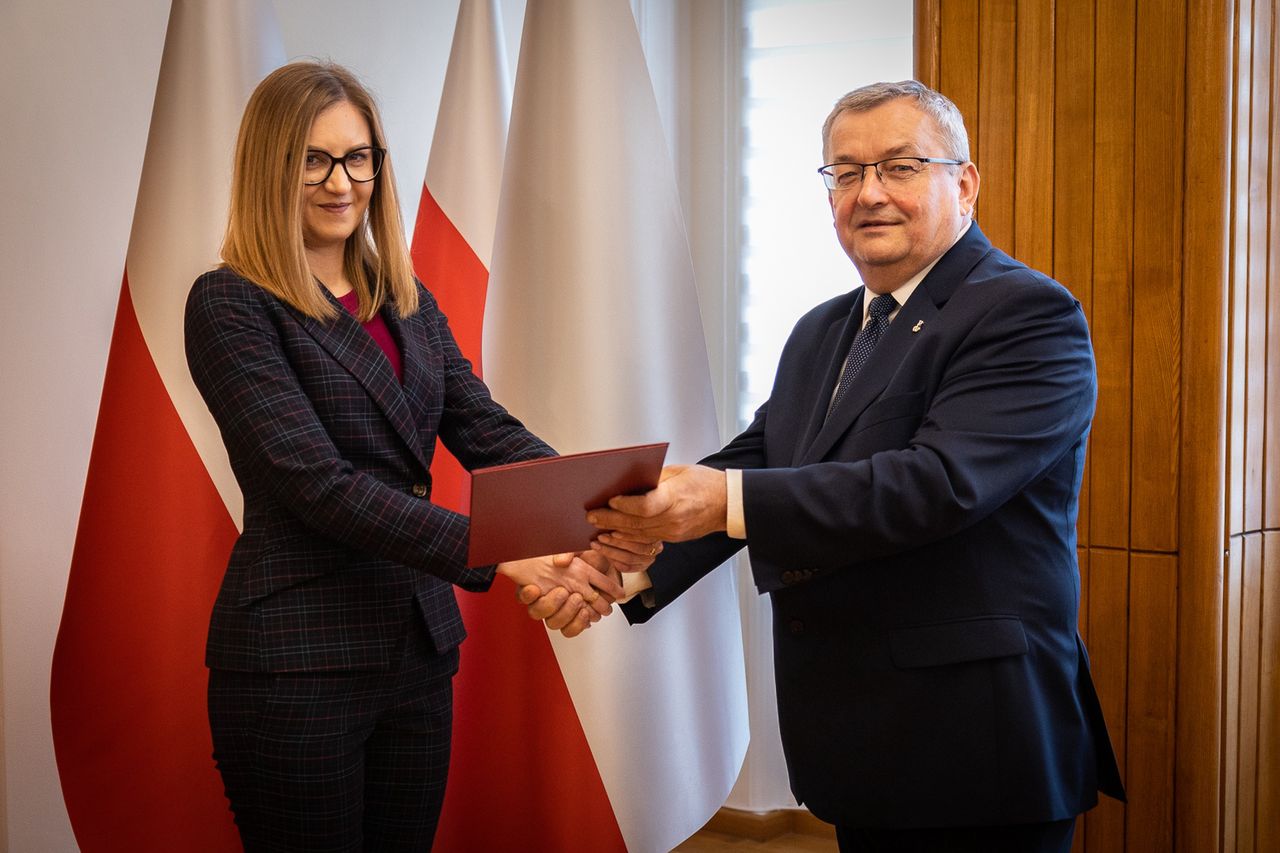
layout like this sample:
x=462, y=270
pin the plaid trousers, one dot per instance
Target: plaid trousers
x=337, y=761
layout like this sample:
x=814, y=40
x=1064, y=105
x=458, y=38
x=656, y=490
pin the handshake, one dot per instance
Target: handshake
x=570, y=592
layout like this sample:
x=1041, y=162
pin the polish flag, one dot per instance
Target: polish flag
x=593, y=338
x=161, y=508
x=519, y=752
x=453, y=234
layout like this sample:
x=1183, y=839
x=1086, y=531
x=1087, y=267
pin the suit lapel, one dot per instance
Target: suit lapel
x=876, y=373
x=915, y=320
x=352, y=347
x=832, y=352
x=421, y=379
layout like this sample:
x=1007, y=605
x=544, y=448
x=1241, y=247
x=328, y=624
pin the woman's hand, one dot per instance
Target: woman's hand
x=564, y=607
x=586, y=574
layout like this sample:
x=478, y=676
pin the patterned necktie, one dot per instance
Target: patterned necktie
x=863, y=343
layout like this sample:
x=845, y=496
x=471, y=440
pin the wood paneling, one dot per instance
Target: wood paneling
x=1105, y=137
x=1109, y=659
x=1246, y=763
x=926, y=34
x=1159, y=129
x=957, y=72
x=1251, y=791
x=1149, y=726
x=1271, y=487
x=1268, y=816
x=1073, y=170
x=1257, y=77
x=1231, y=695
x=1111, y=237
x=997, y=109
x=1237, y=170
x=1198, y=773
x=1034, y=167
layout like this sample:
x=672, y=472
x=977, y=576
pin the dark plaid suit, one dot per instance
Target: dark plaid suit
x=344, y=565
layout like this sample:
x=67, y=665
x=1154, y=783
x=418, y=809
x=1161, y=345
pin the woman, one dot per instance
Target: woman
x=330, y=372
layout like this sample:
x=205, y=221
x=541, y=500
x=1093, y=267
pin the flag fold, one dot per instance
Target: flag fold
x=593, y=338
x=127, y=691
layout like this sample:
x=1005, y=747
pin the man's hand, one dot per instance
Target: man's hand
x=627, y=552
x=689, y=502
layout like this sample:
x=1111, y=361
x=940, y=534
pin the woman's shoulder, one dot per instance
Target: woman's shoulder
x=428, y=308
x=221, y=293
x=224, y=279
x=426, y=299
x=224, y=285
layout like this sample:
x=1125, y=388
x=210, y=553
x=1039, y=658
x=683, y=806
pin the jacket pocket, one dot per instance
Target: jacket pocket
x=909, y=405
x=286, y=564
x=962, y=640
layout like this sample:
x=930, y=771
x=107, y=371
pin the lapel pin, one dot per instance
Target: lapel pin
x=919, y=324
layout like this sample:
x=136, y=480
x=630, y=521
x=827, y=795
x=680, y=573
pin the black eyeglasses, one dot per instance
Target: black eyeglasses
x=361, y=165
x=892, y=172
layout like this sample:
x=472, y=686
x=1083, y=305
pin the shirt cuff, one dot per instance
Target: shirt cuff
x=634, y=583
x=735, y=517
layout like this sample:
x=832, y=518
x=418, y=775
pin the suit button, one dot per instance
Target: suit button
x=419, y=490
x=788, y=577
x=797, y=627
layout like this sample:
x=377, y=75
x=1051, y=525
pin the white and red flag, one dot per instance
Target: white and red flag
x=453, y=234
x=511, y=707
x=161, y=507
x=593, y=338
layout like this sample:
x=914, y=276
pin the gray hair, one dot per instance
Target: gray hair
x=936, y=105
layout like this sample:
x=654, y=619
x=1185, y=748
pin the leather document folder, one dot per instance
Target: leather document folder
x=528, y=509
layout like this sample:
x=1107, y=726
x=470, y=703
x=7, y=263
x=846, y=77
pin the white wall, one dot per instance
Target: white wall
x=77, y=85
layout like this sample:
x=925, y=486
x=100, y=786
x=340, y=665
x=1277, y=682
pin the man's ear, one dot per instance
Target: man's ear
x=969, y=182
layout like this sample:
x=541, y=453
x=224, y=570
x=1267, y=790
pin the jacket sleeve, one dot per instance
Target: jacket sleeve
x=682, y=564
x=273, y=434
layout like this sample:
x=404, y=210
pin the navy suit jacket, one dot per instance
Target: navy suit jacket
x=332, y=454
x=920, y=550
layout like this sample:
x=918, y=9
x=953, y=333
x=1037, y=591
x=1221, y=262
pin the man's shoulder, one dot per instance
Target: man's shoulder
x=998, y=276
x=975, y=260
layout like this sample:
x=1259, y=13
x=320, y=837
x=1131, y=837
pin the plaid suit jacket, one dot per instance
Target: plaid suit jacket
x=332, y=454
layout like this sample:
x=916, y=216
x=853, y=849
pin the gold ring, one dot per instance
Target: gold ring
x=653, y=550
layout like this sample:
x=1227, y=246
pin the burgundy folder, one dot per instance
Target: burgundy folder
x=528, y=509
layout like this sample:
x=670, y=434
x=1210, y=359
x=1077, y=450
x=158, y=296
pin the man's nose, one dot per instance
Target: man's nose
x=871, y=189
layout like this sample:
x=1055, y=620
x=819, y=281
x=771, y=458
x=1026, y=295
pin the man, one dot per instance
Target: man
x=908, y=497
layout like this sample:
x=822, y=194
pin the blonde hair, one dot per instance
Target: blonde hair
x=263, y=242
